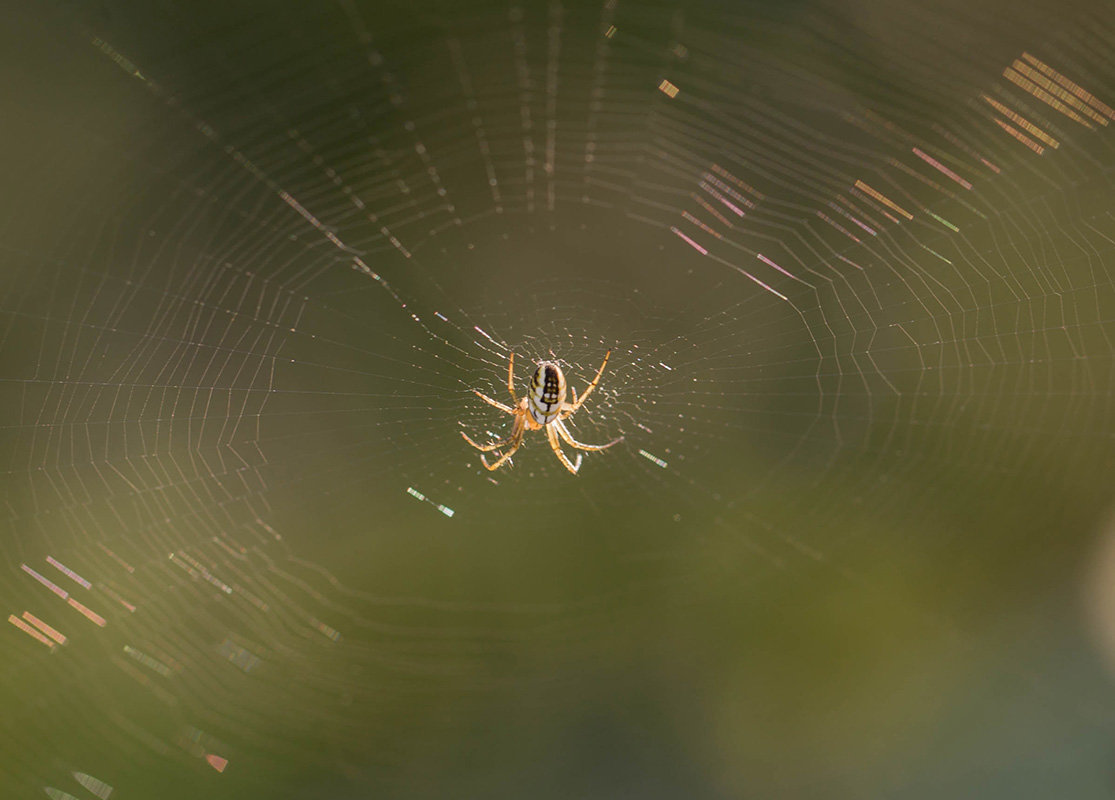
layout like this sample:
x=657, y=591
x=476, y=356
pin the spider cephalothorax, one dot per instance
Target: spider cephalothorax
x=543, y=406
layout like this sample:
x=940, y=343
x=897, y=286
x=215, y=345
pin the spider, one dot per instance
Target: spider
x=543, y=406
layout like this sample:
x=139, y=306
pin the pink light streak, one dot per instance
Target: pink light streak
x=58, y=590
x=770, y=263
x=748, y=275
x=690, y=218
x=731, y=206
x=69, y=573
x=728, y=190
x=690, y=242
x=845, y=214
x=838, y=226
x=942, y=168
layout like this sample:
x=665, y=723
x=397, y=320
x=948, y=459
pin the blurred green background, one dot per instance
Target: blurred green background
x=256, y=257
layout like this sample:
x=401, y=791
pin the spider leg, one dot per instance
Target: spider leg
x=567, y=409
x=568, y=437
x=516, y=439
x=577, y=402
x=495, y=403
x=511, y=377
x=486, y=448
x=551, y=434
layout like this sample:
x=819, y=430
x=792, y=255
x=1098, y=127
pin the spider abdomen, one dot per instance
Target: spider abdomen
x=547, y=393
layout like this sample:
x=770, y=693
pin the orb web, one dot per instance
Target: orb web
x=851, y=264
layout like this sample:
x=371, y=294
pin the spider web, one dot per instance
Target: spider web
x=852, y=262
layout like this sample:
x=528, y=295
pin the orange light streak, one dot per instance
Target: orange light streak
x=1072, y=87
x=1044, y=96
x=89, y=614
x=1067, y=97
x=49, y=631
x=1022, y=122
x=689, y=217
x=863, y=187
x=705, y=205
x=1020, y=136
x=34, y=634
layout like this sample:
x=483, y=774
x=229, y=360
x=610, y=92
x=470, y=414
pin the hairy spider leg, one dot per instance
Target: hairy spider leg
x=516, y=440
x=568, y=437
x=495, y=403
x=551, y=434
x=578, y=401
x=487, y=448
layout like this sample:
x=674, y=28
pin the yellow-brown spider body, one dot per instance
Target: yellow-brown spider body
x=542, y=407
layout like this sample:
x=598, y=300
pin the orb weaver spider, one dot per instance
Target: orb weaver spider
x=543, y=406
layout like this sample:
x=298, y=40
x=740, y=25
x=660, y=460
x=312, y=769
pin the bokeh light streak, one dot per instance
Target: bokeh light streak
x=876, y=207
x=442, y=508
x=1051, y=101
x=770, y=263
x=88, y=613
x=328, y=631
x=847, y=215
x=937, y=165
x=1067, y=97
x=69, y=573
x=237, y=655
x=94, y=785
x=838, y=226
x=707, y=207
x=882, y=198
x=112, y=594
x=849, y=261
x=151, y=663
x=57, y=794
x=690, y=218
x=723, y=173
x=655, y=459
x=116, y=558
x=47, y=629
x=689, y=241
x=1077, y=90
x=952, y=138
x=1022, y=122
x=747, y=275
x=58, y=590
x=728, y=190
x=727, y=203
x=30, y=631
x=668, y=89
x=1020, y=136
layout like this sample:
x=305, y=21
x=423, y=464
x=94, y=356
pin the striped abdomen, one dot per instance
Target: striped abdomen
x=547, y=393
